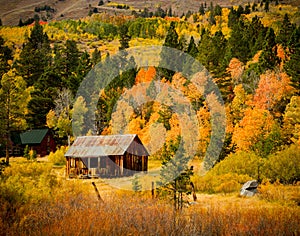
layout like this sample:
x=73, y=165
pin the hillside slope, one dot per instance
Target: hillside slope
x=12, y=11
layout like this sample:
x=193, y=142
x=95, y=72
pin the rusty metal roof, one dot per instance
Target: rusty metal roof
x=106, y=145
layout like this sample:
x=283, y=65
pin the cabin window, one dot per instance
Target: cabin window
x=103, y=162
x=93, y=162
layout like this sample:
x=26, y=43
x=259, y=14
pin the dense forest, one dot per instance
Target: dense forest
x=252, y=58
x=251, y=55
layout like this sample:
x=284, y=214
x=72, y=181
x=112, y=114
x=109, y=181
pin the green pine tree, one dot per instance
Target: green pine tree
x=192, y=48
x=166, y=60
x=268, y=58
x=292, y=65
x=170, y=12
x=71, y=56
x=285, y=32
x=201, y=9
x=96, y=57
x=13, y=102
x=175, y=174
x=136, y=185
x=212, y=52
x=239, y=43
x=267, y=6
x=256, y=32
x=83, y=67
x=218, y=10
x=124, y=37
x=5, y=56
x=35, y=56
x=26, y=152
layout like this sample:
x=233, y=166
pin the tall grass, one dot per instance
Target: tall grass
x=133, y=215
x=71, y=208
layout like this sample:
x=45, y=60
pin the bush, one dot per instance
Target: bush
x=27, y=181
x=224, y=183
x=228, y=186
x=58, y=157
x=29, y=154
x=26, y=184
x=228, y=175
x=284, y=165
x=241, y=163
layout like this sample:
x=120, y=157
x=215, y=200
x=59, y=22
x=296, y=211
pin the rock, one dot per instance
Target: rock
x=249, y=189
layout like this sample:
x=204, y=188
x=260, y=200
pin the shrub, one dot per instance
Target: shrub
x=29, y=154
x=284, y=165
x=228, y=186
x=26, y=152
x=134, y=215
x=228, y=175
x=241, y=163
x=23, y=182
x=58, y=158
x=224, y=183
x=136, y=185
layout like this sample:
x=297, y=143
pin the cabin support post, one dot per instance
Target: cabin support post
x=68, y=167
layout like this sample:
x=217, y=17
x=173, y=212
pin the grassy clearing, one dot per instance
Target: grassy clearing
x=33, y=201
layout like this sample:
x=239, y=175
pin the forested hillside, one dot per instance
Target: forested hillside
x=251, y=51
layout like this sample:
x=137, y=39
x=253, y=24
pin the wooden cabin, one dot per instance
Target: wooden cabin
x=39, y=140
x=106, y=156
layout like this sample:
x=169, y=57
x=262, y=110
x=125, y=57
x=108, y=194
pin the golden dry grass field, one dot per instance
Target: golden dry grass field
x=49, y=204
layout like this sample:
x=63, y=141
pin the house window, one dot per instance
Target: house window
x=17, y=151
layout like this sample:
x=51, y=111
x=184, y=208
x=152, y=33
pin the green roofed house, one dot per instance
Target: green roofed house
x=40, y=140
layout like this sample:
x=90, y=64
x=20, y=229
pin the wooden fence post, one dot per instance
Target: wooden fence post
x=97, y=192
x=152, y=190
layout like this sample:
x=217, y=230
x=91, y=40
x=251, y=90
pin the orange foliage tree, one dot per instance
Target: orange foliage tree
x=145, y=75
x=273, y=91
x=257, y=124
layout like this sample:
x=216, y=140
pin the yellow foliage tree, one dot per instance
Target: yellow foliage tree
x=291, y=120
x=238, y=104
x=203, y=116
x=235, y=69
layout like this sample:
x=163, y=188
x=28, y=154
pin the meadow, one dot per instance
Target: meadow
x=36, y=199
